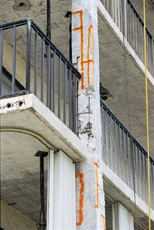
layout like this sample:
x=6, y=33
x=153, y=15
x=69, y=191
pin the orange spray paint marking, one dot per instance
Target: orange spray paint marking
x=82, y=42
x=103, y=221
x=81, y=200
x=95, y=163
x=91, y=28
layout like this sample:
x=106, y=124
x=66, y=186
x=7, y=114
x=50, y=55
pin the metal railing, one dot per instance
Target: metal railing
x=125, y=156
x=131, y=25
x=47, y=73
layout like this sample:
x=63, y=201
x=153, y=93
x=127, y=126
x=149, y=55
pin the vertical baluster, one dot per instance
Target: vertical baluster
x=125, y=19
x=1, y=59
x=115, y=140
x=103, y=123
x=124, y=160
x=139, y=166
x=65, y=91
x=54, y=81
x=119, y=140
x=152, y=173
x=138, y=37
x=74, y=92
x=28, y=55
x=107, y=138
x=48, y=77
x=142, y=46
x=14, y=60
x=42, y=71
x=151, y=198
x=128, y=160
x=139, y=32
x=115, y=12
x=143, y=174
x=130, y=23
x=36, y=61
x=111, y=142
x=132, y=162
x=133, y=28
x=146, y=178
x=112, y=9
x=136, y=169
x=152, y=54
x=70, y=99
x=59, y=87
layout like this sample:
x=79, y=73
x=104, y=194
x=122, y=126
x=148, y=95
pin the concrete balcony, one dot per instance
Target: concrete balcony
x=125, y=168
x=38, y=87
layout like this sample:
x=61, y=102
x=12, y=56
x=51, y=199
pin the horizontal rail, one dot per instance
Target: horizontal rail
x=48, y=73
x=125, y=156
x=131, y=25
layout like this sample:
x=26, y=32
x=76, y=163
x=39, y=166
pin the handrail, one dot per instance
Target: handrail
x=131, y=26
x=42, y=34
x=125, y=129
x=123, y=154
x=54, y=78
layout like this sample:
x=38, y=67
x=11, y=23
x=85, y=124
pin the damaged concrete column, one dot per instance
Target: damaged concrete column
x=85, y=55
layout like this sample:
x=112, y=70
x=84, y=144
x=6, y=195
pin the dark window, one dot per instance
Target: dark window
x=7, y=83
x=108, y=215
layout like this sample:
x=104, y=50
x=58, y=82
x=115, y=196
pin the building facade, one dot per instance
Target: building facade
x=73, y=115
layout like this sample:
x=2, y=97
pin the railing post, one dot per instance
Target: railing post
x=125, y=18
x=28, y=55
x=1, y=59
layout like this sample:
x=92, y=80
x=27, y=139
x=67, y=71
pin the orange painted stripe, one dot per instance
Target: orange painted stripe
x=95, y=163
x=82, y=44
x=103, y=221
x=88, y=61
x=81, y=200
x=77, y=28
x=88, y=53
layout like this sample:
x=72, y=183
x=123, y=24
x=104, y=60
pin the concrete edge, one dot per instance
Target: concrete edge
x=113, y=179
x=32, y=103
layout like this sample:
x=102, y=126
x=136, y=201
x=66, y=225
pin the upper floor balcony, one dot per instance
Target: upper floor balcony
x=131, y=26
x=31, y=63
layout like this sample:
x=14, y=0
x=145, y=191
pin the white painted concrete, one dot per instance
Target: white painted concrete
x=64, y=193
x=27, y=114
x=118, y=186
x=124, y=219
x=50, y=190
x=89, y=184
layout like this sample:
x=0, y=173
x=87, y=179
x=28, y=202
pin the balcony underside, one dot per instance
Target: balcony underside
x=28, y=126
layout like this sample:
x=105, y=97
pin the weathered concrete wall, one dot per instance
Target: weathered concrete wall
x=85, y=55
x=15, y=220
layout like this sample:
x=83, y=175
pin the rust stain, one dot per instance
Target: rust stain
x=82, y=43
x=81, y=200
x=95, y=163
x=103, y=221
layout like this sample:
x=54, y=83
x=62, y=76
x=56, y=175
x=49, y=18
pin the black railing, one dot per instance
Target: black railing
x=47, y=73
x=131, y=25
x=125, y=156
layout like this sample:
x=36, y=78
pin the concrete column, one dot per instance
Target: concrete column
x=123, y=218
x=85, y=56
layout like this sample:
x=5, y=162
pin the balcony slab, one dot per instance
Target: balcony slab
x=27, y=114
